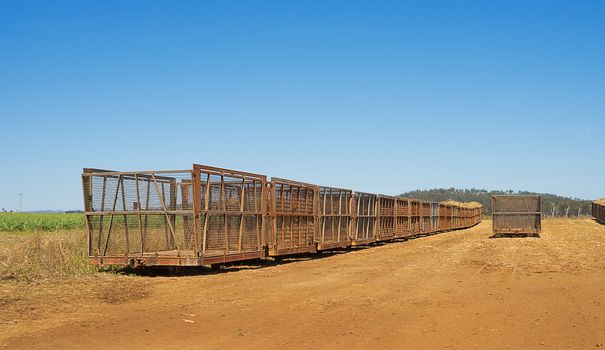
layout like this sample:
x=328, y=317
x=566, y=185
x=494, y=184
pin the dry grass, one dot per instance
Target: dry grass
x=600, y=201
x=40, y=256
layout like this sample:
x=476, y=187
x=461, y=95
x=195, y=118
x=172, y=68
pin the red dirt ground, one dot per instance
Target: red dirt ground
x=454, y=290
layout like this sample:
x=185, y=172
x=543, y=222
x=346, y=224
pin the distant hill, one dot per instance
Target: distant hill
x=552, y=205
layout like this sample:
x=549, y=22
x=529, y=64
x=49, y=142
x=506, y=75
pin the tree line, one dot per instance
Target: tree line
x=552, y=205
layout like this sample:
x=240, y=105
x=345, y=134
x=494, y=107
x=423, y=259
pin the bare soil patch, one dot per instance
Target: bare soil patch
x=459, y=289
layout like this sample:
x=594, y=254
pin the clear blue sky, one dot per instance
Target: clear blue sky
x=376, y=96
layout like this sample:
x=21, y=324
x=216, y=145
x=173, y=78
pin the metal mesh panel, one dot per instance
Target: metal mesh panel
x=293, y=214
x=386, y=217
x=138, y=213
x=335, y=216
x=402, y=225
x=516, y=214
x=364, y=212
x=508, y=204
x=231, y=211
x=598, y=212
x=434, y=216
x=517, y=223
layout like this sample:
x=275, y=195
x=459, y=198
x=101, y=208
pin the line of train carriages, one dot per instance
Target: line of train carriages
x=208, y=215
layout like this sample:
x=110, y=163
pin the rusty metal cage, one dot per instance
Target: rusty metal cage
x=386, y=218
x=403, y=214
x=294, y=210
x=207, y=215
x=231, y=212
x=184, y=217
x=598, y=212
x=516, y=214
x=364, y=216
x=138, y=213
x=434, y=216
x=334, y=218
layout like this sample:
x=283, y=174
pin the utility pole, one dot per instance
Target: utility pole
x=20, y=201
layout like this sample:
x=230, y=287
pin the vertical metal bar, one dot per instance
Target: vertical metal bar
x=298, y=217
x=102, y=217
x=115, y=202
x=147, y=194
x=197, y=210
x=224, y=209
x=283, y=219
x=136, y=182
x=241, y=209
x=163, y=200
x=206, y=215
x=307, y=215
x=162, y=195
x=339, y=214
x=259, y=235
x=87, y=194
x=291, y=217
x=172, y=206
x=273, y=213
x=323, y=217
x=125, y=219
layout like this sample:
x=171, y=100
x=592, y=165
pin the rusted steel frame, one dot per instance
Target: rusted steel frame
x=172, y=205
x=259, y=235
x=278, y=188
x=86, y=190
x=146, y=221
x=283, y=221
x=245, y=177
x=339, y=215
x=206, y=212
x=278, y=180
x=331, y=212
x=357, y=204
x=323, y=221
x=383, y=215
x=298, y=210
x=227, y=172
x=598, y=212
x=197, y=210
x=336, y=214
x=165, y=213
x=101, y=218
x=224, y=202
x=167, y=230
x=125, y=218
x=273, y=214
x=136, y=181
x=511, y=210
x=241, y=220
x=158, y=260
x=129, y=175
x=306, y=217
x=115, y=202
x=188, y=234
x=291, y=217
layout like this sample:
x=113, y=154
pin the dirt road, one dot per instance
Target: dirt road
x=454, y=290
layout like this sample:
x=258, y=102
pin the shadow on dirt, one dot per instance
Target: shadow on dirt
x=254, y=264
x=515, y=235
x=172, y=271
